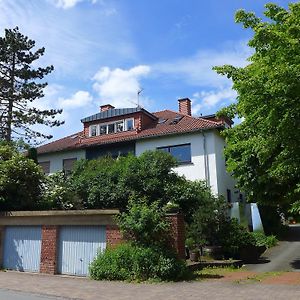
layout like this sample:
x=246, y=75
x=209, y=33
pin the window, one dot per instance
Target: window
x=103, y=129
x=93, y=130
x=228, y=191
x=68, y=165
x=181, y=152
x=129, y=124
x=45, y=165
x=119, y=126
x=108, y=128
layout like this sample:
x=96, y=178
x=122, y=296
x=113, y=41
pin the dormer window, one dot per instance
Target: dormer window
x=93, y=130
x=129, y=124
x=112, y=127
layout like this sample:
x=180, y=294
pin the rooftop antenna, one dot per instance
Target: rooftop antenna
x=138, y=96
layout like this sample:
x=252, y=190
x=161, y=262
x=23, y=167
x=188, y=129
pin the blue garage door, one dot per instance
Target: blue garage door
x=22, y=248
x=78, y=246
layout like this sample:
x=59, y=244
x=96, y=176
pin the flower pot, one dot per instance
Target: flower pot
x=194, y=255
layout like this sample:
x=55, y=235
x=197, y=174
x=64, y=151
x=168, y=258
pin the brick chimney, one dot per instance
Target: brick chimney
x=106, y=107
x=185, y=105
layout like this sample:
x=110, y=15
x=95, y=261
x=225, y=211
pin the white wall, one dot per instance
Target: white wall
x=56, y=159
x=214, y=170
x=196, y=169
x=225, y=180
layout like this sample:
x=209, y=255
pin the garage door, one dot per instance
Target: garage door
x=78, y=246
x=22, y=248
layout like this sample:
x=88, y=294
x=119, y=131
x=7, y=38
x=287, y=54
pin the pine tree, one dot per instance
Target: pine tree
x=20, y=85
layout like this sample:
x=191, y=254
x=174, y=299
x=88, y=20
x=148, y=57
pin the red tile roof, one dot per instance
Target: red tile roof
x=185, y=125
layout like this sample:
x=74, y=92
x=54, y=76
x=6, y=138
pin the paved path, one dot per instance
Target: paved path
x=80, y=288
x=283, y=257
x=12, y=295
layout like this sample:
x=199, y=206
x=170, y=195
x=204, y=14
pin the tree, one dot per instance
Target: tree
x=21, y=181
x=20, y=85
x=263, y=151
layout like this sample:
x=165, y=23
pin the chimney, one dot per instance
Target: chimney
x=106, y=107
x=185, y=106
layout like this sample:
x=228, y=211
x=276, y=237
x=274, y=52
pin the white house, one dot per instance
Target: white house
x=195, y=141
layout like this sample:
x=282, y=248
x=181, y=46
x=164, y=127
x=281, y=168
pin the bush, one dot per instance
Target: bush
x=145, y=224
x=232, y=237
x=207, y=219
x=137, y=263
x=21, y=181
x=262, y=240
x=58, y=192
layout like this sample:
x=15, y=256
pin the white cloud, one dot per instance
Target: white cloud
x=119, y=87
x=212, y=99
x=79, y=99
x=65, y=4
x=197, y=69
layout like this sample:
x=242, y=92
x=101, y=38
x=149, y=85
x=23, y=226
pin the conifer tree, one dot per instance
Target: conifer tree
x=20, y=85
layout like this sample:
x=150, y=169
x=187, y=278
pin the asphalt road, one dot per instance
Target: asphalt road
x=283, y=257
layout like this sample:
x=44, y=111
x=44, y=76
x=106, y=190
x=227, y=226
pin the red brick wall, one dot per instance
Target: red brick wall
x=113, y=236
x=49, y=249
x=178, y=233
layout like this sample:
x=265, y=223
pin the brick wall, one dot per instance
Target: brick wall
x=114, y=237
x=178, y=233
x=49, y=249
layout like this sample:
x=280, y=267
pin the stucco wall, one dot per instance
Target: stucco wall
x=56, y=159
x=225, y=180
x=196, y=169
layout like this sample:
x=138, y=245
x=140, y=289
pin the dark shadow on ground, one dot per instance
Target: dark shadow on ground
x=293, y=234
x=261, y=260
x=295, y=264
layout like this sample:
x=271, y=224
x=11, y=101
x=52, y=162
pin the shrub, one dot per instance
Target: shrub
x=262, y=240
x=145, y=224
x=232, y=237
x=206, y=220
x=21, y=181
x=135, y=262
x=58, y=192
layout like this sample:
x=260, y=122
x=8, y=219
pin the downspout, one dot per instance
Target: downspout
x=206, y=161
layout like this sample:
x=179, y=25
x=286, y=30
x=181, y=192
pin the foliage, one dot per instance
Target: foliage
x=263, y=151
x=109, y=183
x=58, y=193
x=206, y=221
x=20, y=86
x=21, y=181
x=145, y=224
x=136, y=263
x=232, y=237
x=262, y=240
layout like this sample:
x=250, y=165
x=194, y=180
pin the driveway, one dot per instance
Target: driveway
x=283, y=257
x=33, y=286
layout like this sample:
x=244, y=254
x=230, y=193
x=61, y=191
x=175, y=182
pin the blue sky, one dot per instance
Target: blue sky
x=104, y=51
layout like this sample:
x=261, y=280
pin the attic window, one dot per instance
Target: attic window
x=113, y=127
x=176, y=119
x=161, y=121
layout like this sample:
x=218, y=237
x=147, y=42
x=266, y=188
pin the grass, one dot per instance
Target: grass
x=214, y=272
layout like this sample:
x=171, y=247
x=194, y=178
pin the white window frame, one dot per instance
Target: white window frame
x=97, y=130
x=125, y=128
x=125, y=125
